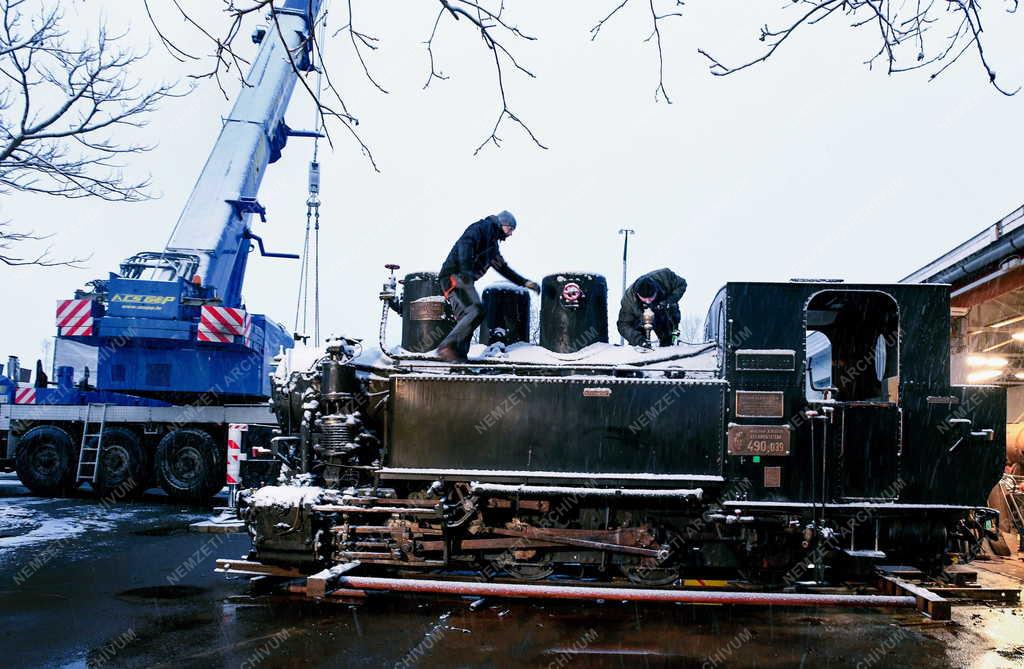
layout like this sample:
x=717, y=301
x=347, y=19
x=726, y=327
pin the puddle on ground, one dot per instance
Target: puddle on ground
x=162, y=592
x=162, y=530
x=7, y=532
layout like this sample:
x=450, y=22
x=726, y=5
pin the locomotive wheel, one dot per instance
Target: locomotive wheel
x=124, y=468
x=45, y=461
x=529, y=571
x=187, y=465
x=651, y=576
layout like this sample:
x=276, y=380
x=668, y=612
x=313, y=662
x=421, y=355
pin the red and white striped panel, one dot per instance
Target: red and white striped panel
x=24, y=395
x=84, y=330
x=74, y=318
x=223, y=324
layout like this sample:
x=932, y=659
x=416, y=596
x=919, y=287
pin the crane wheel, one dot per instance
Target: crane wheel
x=45, y=461
x=124, y=469
x=187, y=465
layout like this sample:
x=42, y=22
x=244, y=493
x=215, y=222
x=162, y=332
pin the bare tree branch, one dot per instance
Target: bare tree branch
x=367, y=41
x=902, y=26
x=60, y=94
x=434, y=72
x=226, y=59
x=655, y=34
x=64, y=110
x=485, y=21
x=911, y=34
x=10, y=238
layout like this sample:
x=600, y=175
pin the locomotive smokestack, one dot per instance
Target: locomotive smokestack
x=573, y=311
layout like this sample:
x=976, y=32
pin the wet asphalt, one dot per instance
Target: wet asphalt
x=86, y=585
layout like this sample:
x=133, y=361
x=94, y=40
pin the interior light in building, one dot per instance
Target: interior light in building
x=996, y=347
x=1018, y=335
x=1008, y=321
x=982, y=375
x=994, y=361
x=1019, y=375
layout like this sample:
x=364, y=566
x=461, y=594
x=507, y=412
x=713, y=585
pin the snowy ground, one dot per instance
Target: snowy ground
x=131, y=587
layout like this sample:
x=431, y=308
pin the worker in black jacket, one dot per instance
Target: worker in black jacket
x=659, y=291
x=475, y=252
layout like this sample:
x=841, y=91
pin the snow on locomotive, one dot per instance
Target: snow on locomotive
x=585, y=458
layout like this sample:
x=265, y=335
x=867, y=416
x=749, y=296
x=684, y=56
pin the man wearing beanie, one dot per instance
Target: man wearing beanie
x=659, y=291
x=473, y=254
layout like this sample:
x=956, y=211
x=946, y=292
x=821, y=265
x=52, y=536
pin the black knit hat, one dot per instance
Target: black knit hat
x=647, y=287
x=506, y=218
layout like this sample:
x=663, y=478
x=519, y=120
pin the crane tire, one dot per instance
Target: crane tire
x=123, y=470
x=187, y=465
x=45, y=461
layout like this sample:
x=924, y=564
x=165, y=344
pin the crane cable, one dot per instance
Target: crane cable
x=312, y=214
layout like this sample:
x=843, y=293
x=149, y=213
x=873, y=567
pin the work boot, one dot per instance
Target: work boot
x=449, y=354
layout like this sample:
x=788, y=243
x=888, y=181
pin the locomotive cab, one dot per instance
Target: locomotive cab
x=862, y=330
x=840, y=394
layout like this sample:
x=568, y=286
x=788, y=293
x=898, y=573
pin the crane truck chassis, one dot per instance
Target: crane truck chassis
x=178, y=354
x=179, y=448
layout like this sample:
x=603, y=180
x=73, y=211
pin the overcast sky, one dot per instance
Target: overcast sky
x=810, y=165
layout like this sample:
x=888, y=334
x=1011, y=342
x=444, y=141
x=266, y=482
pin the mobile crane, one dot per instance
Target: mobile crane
x=178, y=357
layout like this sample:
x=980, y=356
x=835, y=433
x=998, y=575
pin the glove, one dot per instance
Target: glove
x=531, y=285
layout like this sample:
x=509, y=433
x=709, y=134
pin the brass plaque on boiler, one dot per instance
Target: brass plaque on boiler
x=759, y=404
x=597, y=392
x=430, y=309
x=758, y=440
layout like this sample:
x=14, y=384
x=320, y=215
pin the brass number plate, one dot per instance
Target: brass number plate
x=759, y=440
x=758, y=404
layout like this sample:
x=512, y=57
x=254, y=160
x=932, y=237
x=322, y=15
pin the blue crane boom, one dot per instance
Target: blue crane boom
x=172, y=324
x=214, y=223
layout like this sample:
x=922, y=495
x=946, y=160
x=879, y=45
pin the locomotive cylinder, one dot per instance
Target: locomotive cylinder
x=426, y=315
x=573, y=311
x=337, y=432
x=506, y=315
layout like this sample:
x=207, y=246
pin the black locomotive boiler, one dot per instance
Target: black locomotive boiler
x=723, y=456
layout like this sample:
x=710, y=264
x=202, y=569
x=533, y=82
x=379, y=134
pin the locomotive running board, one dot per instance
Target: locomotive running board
x=542, y=476
x=866, y=505
x=499, y=490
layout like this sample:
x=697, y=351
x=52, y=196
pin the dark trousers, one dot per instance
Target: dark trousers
x=469, y=313
x=665, y=323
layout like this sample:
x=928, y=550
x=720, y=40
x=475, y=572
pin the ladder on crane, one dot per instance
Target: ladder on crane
x=92, y=444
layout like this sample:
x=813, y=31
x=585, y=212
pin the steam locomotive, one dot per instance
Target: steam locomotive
x=582, y=458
